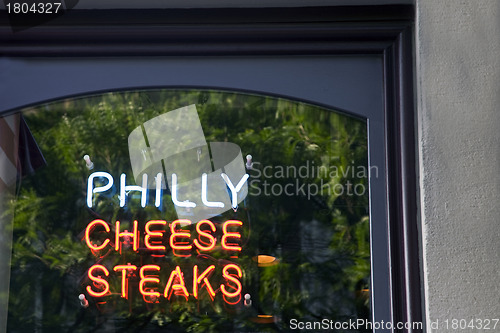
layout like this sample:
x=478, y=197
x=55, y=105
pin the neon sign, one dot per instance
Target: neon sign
x=176, y=239
x=125, y=189
x=159, y=239
x=179, y=241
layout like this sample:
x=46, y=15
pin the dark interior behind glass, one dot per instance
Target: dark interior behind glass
x=303, y=213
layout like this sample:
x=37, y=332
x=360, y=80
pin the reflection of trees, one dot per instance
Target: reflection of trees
x=322, y=243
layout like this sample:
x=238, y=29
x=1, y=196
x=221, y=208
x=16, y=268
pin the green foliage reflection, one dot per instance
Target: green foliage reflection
x=308, y=206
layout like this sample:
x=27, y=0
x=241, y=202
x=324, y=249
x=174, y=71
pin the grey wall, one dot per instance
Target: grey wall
x=458, y=96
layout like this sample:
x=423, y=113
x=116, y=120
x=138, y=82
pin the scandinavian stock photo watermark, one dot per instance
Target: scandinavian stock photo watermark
x=309, y=179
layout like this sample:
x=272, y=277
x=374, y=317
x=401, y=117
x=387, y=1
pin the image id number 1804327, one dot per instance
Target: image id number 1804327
x=33, y=8
x=465, y=324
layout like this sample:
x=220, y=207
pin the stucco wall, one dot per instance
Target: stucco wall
x=458, y=89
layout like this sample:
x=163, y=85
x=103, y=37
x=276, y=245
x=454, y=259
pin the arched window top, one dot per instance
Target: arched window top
x=244, y=209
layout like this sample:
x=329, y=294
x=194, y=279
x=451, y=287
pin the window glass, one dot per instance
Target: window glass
x=187, y=210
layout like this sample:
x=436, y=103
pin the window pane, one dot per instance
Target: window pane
x=189, y=210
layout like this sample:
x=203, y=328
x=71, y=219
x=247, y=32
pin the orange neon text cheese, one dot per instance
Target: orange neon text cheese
x=154, y=236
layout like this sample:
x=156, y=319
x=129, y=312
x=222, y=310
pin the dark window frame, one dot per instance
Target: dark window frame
x=382, y=30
